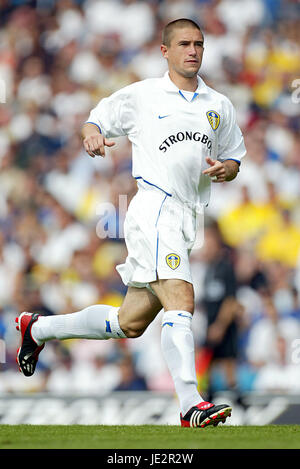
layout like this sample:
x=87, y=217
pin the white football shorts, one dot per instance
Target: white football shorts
x=160, y=233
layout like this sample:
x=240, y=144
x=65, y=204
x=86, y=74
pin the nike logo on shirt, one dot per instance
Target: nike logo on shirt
x=162, y=117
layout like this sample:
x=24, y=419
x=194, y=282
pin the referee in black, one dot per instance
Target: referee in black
x=221, y=307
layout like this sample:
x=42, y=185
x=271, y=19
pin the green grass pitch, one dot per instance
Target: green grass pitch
x=148, y=437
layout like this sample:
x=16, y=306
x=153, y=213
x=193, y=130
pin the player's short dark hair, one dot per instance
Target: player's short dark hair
x=180, y=23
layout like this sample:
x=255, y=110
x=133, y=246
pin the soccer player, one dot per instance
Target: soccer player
x=184, y=135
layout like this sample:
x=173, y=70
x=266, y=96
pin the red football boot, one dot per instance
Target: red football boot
x=205, y=414
x=27, y=354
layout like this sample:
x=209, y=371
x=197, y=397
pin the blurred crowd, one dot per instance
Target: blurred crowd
x=62, y=212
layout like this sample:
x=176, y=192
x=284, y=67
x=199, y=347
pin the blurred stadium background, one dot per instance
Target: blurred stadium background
x=57, y=59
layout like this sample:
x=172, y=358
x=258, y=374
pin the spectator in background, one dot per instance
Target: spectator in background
x=96, y=376
x=280, y=375
x=221, y=308
x=129, y=379
x=270, y=350
x=281, y=242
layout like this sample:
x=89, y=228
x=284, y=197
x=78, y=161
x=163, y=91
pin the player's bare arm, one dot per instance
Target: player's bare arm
x=222, y=171
x=93, y=141
x=228, y=311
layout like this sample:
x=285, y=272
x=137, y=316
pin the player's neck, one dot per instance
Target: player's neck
x=183, y=83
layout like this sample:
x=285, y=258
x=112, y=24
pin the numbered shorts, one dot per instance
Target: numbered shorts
x=159, y=233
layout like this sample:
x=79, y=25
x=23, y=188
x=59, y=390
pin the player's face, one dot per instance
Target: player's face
x=185, y=51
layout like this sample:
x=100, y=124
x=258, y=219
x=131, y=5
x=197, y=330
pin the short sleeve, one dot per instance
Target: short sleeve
x=115, y=115
x=230, y=142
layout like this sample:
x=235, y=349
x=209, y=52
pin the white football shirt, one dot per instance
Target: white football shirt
x=172, y=132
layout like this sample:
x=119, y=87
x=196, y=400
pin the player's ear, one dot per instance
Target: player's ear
x=164, y=51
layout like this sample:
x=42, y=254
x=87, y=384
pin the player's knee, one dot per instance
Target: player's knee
x=130, y=328
x=132, y=332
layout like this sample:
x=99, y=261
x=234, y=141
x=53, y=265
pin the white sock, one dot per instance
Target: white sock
x=177, y=343
x=93, y=322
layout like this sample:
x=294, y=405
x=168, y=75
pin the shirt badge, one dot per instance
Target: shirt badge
x=214, y=119
x=173, y=261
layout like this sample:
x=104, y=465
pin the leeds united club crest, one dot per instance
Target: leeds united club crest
x=214, y=119
x=173, y=261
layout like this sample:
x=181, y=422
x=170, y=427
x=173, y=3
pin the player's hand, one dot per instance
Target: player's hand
x=95, y=144
x=217, y=170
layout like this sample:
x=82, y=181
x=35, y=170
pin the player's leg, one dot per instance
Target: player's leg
x=174, y=294
x=138, y=310
x=177, y=299
x=94, y=322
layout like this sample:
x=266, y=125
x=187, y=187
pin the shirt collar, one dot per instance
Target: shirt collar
x=168, y=84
